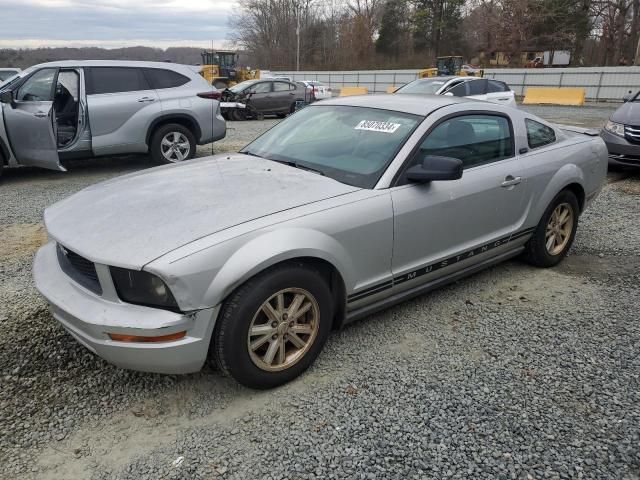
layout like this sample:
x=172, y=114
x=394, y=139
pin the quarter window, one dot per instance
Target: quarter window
x=159, y=78
x=538, y=134
x=38, y=87
x=115, y=80
x=474, y=139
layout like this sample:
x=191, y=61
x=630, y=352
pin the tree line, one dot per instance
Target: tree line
x=364, y=34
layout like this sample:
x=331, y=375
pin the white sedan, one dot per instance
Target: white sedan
x=478, y=88
x=317, y=89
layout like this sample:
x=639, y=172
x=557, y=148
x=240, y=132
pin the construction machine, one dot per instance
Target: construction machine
x=220, y=68
x=450, y=65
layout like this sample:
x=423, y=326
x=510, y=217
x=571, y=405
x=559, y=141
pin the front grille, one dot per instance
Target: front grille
x=79, y=269
x=632, y=133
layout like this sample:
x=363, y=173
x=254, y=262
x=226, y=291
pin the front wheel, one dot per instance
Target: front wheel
x=273, y=327
x=172, y=143
x=555, y=232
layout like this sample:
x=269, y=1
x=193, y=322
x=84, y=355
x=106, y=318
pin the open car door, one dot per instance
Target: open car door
x=30, y=121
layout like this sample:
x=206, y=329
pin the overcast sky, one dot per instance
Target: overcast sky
x=114, y=23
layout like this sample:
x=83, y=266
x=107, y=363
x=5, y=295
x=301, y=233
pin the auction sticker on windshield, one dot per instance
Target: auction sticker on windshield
x=376, y=126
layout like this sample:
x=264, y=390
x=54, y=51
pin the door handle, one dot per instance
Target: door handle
x=41, y=114
x=510, y=181
x=146, y=99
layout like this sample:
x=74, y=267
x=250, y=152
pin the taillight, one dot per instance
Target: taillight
x=211, y=95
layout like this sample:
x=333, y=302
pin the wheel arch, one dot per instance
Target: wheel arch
x=183, y=119
x=275, y=249
x=569, y=177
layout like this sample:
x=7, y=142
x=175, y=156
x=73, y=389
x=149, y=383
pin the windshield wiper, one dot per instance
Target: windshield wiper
x=291, y=163
x=247, y=152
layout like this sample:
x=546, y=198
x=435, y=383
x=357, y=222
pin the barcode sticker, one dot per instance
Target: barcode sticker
x=377, y=126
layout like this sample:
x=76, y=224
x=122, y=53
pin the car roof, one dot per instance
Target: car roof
x=421, y=105
x=110, y=63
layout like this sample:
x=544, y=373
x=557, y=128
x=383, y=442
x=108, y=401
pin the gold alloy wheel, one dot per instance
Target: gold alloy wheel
x=283, y=329
x=559, y=229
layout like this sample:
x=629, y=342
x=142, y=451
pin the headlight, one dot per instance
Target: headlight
x=142, y=288
x=615, y=128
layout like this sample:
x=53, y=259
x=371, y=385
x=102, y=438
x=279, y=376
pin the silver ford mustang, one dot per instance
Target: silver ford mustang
x=249, y=260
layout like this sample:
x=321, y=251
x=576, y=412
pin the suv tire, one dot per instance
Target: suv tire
x=172, y=143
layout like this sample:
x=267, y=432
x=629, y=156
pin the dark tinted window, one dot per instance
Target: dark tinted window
x=115, y=79
x=496, y=86
x=459, y=90
x=538, y=134
x=281, y=87
x=477, y=87
x=469, y=87
x=474, y=139
x=159, y=78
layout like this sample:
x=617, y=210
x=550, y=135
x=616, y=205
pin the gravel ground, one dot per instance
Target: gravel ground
x=513, y=373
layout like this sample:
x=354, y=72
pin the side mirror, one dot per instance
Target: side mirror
x=6, y=97
x=434, y=167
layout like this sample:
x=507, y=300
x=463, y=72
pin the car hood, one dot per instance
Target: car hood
x=628, y=114
x=135, y=219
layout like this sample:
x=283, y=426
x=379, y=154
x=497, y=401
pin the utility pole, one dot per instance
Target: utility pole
x=297, y=5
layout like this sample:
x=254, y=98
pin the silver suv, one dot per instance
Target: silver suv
x=76, y=109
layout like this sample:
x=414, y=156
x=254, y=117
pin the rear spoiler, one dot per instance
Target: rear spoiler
x=592, y=132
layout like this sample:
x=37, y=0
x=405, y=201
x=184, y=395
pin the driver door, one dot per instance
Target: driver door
x=441, y=227
x=261, y=96
x=30, y=121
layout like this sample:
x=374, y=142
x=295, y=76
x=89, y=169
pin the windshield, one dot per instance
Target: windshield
x=14, y=79
x=353, y=145
x=242, y=85
x=422, y=86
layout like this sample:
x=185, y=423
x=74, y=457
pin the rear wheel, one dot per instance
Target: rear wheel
x=274, y=326
x=555, y=233
x=172, y=143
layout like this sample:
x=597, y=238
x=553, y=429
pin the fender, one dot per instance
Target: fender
x=275, y=247
x=566, y=175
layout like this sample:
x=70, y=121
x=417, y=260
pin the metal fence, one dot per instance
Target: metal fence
x=601, y=83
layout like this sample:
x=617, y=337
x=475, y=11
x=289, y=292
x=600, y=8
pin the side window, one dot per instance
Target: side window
x=115, y=80
x=38, y=87
x=538, y=134
x=474, y=139
x=281, y=87
x=495, y=86
x=460, y=90
x=159, y=78
x=262, y=87
x=477, y=87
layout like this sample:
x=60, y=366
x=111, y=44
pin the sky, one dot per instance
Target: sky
x=114, y=23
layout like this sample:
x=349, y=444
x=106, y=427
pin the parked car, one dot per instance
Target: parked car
x=479, y=88
x=470, y=69
x=6, y=73
x=60, y=110
x=317, y=90
x=264, y=97
x=621, y=133
x=348, y=206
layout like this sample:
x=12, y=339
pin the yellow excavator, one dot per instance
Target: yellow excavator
x=220, y=68
x=450, y=65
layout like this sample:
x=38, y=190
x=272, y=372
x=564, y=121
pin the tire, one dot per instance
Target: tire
x=230, y=347
x=537, y=250
x=175, y=134
x=237, y=115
